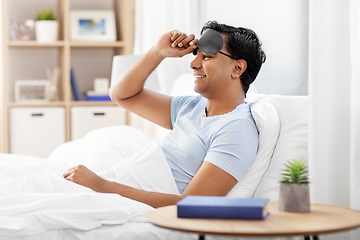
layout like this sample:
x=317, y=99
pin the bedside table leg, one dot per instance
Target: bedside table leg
x=313, y=237
x=201, y=237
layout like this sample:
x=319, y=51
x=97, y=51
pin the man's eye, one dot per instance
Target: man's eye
x=207, y=56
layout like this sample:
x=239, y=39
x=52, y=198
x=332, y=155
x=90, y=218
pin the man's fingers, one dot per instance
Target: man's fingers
x=71, y=171
x=67, y=173
x=193, y=42
x=180, y=39
x=174, y=35
x=186, y=51
x=177, y=43
x=185, y=42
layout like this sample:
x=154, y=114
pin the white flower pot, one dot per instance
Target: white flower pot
x=294, y=198
x=46, y=31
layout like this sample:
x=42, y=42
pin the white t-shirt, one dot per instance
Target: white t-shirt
x=228, y=141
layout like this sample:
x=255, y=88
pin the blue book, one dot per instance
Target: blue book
x=75, y=86
x=98, y=98
x=222, y=207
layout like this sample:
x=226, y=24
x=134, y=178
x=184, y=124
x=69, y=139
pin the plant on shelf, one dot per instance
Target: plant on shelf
x=46, y=27
x=294, y=193
x=46, y=14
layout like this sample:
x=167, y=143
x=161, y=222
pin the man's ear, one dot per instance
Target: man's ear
x=239, y=69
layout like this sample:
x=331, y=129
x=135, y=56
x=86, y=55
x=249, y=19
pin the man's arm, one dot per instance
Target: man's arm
x=209, y=180
x=129, y=91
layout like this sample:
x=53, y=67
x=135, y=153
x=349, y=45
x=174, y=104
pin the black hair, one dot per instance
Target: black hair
x=241, y=43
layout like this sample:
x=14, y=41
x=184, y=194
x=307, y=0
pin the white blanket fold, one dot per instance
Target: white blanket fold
x=34, y=196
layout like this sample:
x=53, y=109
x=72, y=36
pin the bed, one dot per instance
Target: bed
x=37, y=203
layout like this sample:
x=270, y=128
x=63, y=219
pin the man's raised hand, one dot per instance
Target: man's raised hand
x=176, y=44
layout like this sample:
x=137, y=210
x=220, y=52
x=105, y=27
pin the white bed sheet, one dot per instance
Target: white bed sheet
x=35, y=198
x=126, y=231
x=133, y=231
x=117, y=164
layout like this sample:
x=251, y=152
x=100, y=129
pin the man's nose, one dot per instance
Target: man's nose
x=196, y=63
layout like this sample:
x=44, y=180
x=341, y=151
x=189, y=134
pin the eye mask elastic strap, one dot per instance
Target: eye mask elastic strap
x=227, y=55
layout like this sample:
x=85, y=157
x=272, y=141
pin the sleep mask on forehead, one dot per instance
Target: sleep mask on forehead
x=211, y=42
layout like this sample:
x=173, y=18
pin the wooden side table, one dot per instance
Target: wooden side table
x=322, y=219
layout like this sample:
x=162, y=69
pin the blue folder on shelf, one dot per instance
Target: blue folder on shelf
x=75, y=86
x=98, y=98
x=222, y=207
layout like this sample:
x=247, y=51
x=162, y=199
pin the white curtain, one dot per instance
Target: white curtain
x=152, y=19
x=156, y=17
x=355, y=105
x=334, y=91
x=1, y=85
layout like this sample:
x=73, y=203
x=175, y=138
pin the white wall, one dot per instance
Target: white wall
x=282, y=25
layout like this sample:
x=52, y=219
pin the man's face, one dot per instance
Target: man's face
x=212, y=73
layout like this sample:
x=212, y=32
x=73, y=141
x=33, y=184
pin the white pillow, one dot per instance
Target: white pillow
x=147, y=169
x=122, y=154
x=102, y=148
x=268, y=124
x=183, y=85
x=293, y=139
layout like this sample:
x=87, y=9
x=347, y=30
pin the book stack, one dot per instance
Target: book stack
x=95, y=96
x=222, y=207
x=101, y=91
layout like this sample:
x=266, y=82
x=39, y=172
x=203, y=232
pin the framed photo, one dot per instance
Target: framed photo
x=32, y=90
x=98, y=25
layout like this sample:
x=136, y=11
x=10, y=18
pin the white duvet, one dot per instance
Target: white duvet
x=34, y=196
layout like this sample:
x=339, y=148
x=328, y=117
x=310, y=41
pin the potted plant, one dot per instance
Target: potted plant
x=294, y=188
x=46, y=28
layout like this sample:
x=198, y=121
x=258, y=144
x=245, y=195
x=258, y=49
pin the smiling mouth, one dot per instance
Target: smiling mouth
x=199, y=76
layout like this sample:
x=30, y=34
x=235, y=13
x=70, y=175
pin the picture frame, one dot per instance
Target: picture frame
x=32, y=90
x=94, y=25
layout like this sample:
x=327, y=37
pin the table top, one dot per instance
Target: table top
x=321, y=219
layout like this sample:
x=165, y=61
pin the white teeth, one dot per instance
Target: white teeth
x=197, y=76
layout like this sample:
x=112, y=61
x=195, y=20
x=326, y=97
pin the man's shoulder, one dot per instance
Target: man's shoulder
x=185, y=101
x=188, y=98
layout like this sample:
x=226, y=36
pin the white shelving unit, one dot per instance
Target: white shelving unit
x=90, y=60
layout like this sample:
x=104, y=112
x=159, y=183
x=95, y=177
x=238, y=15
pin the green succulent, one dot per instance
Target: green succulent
x=295, y=172
x=45, y=14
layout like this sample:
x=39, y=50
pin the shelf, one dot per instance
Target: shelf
x=35, y=44
x=89, y=59
x=55, y=104
x=97, y=44
x=92, y=103
x=37, y=104
x=65, y=43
